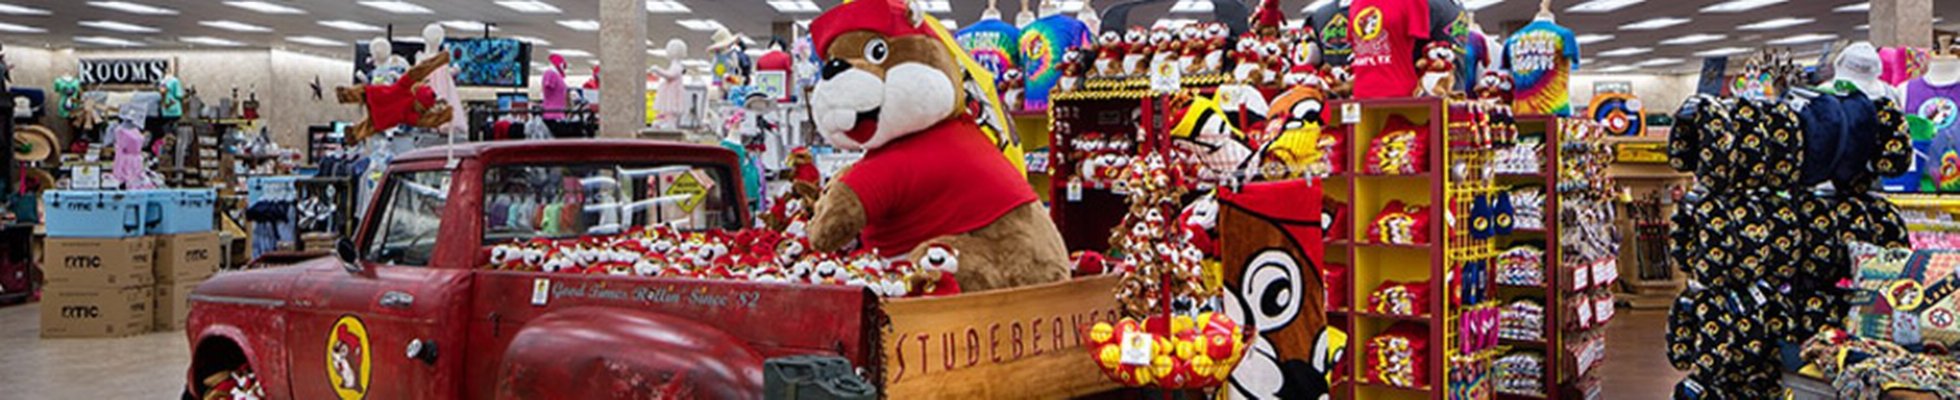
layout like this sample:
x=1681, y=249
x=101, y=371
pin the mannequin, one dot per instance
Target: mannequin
x=1858, y=65
x=992, y=11
x=1542, y=55
x=129, y=164
x=553, y=86
x=387, y=66
x=1025, y=17
x=1544, y=11
x=1088, y=17
x=1943, y=71
x=443, y=80
x=670, y=98
x=173, y=97
x=1049, y=8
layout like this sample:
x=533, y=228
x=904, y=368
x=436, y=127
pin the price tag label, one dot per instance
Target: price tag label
x=540, y=291
x=1137, y=348
x=1605, y=272
x=1585, y=311
x=1074, y=190
x=1603, y=308
x=1581, y=278
x=1350, y=113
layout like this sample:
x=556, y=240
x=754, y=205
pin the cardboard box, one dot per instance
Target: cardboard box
x=188, y=257
x=73, y=262
x=173, y=304
x=96, y=312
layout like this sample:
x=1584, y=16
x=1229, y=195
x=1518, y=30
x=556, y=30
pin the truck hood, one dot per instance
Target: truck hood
x=269, y=286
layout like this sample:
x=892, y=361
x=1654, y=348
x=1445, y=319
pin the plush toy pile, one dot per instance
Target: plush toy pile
x=237, y=384
x=1156, y=243
x=753, y=255
x=1197, y=353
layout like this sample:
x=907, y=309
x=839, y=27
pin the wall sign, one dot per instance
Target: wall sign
x=120, y=71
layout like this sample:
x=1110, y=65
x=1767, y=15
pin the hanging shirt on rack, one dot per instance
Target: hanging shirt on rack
x=1385, y=34
x=1331, y=20
x=1542, y=55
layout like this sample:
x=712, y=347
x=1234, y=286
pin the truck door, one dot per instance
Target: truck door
x=352, y=331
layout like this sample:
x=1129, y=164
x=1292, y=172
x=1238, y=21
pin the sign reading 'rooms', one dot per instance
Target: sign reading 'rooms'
x=123, y=71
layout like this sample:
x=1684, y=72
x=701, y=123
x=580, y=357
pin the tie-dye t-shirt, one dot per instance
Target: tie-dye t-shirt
x=1939, y=105
x=993, y=43
x=1541, y=56
x=1042, y=45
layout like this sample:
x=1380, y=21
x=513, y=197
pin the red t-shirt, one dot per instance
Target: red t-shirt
x=947, y=179
x=1384, y=34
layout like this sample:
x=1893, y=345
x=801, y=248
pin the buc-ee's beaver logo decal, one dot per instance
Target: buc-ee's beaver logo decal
x=347, y=358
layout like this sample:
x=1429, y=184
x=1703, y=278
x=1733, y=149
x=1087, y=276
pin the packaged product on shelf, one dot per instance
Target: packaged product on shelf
x=1400, y=224
x=1402, y=148
x=1521, y=265
x=1520, y=373
x=1524, y=320
x=1399, y=356
x=1400, y=298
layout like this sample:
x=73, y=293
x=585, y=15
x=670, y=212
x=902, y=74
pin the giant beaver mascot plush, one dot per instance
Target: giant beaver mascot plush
x=894, y=86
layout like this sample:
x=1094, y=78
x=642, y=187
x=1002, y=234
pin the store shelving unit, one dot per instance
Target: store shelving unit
x=1370, y=264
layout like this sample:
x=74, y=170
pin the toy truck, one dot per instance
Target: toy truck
x=407, y=310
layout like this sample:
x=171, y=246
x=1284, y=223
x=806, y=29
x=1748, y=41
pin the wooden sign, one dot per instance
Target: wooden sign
x=1005, y=344
x=123, y=71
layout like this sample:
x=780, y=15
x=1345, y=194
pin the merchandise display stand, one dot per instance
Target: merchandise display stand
x=1453, y=177
x=1574, y=289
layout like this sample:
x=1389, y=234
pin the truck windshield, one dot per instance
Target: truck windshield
x=410, y=219
x=523, y=202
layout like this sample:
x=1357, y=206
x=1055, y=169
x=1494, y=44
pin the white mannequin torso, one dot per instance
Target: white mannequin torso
x=1943, y=71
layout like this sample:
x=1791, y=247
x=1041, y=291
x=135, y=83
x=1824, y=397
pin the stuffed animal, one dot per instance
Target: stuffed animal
x=1072, y=66
x=1215, y=37
x=1273, y=55
x=1164, y=48
x=1012, y=86
x=930, y=177
x=1438, y=67
x=1136, y=41
x=1110, y=48
x=1340, y=81
x=405, y=101
x=1495, y=84
x=1191, y=40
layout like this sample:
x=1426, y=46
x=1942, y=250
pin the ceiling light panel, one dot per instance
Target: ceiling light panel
x=210, y=41
x=1659, y=62
x=1191, y=6
x=350, y=26
x=1591, y=38
x=1778, y=23
x=133, y=7
x=795, y=6
x=950, y=24
x=107, y=41
x=1170, y=23
x=265, y=7
x=582, y=25
x=1616, y=68
x=1698, y=38
x=1474, y=5
x=1652, y=24
x=118, y=26
x=572, y=53
x=1803, y=38
x=529, y=6
x=234, y=26
x=1854, y=8
x=316, y=41
x=11, y=9
x=1725, y=51
x=702, y=25
x=1069, y=6
x=1626, y=51
x=398, y=7
x=468, y=26
x=667, y=7
x=533, y=40
x=657, y=52
x=1734, y=6
x=1602, y=6
x=938, y=6
x=18, y=28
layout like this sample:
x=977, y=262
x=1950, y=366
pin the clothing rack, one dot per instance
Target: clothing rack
x=577, y=122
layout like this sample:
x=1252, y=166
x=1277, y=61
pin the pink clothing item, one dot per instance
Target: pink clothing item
x=1902, y=64
x=129, y=158
x=443, y=82
x=554, y=94
x=670, y=98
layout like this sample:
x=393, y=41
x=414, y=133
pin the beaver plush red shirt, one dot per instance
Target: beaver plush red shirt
x=969, y=186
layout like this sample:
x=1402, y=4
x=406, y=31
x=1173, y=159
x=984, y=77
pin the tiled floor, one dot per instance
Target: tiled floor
x=152, y=366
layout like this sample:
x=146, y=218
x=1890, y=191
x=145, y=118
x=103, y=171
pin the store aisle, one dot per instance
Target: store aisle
x=1636, y=365
x=149, y=366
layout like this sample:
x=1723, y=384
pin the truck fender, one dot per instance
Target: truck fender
x=223, y=347
x=615, y=353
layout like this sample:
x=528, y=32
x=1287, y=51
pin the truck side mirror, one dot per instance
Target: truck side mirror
x=350, y=256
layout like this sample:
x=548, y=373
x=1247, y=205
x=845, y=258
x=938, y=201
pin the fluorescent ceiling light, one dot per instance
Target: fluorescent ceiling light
x=703, y=25
x=1474, y=5
x=572, y=53
x=107, y=41
x=533, y=40
x=265, y=7
x=938, y=6
x=210, y=41
x=350, y=26
x=1777, y=23
x=1658, y=62
x=1698, y=38
x=398, y=7
x=1173, y=22
x=315, y=40
x=118, y=26
x=1591, y=38
x=1854, y=8
x=1725, y=51
x=1069, y=6
x=796, y=6
x=10, y=9
x=1602, y=6
x=667, y=7
x=529, y=6
x=1625, y=51
x=1804, y=38
x=133, y=8
x=1616, y=68
x=1652, y=24
x=17, y=28
x=1864, y=27
x=657, y=52
x=950, y=24
x=582, y=25
x=234, y=26
x=1191, y=6
x=1732, y=6
x=470, y=26
x=695, y=63
x=1316, y=4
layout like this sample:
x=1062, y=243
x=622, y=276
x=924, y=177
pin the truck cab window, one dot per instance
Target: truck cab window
x=410, y=219
x=523, y=202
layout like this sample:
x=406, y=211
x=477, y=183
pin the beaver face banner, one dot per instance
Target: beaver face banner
x=1270, y=242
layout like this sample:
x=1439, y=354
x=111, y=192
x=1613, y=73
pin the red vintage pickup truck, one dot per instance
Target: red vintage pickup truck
x=407, y=311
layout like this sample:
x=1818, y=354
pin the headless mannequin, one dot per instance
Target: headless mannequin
x=1943, y=71
x=1859, y=66
x=1089, y=18
x=1025, y=17
x=1544, y=11
x=670, y=99
x=1049, y=9
x=992, y=11
x=443, y=81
